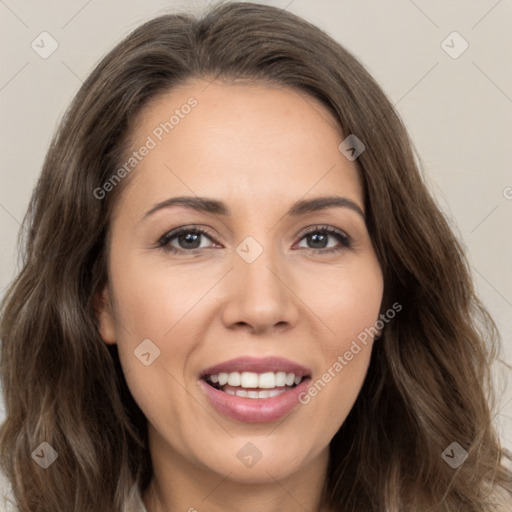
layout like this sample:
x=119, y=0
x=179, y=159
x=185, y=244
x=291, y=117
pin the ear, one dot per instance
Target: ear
x=105, y=317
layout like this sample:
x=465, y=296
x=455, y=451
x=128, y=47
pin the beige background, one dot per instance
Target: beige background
x=458, y=110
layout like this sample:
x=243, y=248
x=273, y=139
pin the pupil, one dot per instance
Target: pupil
x=189, y=237
x=315, y=238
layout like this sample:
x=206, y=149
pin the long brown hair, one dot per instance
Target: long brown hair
x=429, y=381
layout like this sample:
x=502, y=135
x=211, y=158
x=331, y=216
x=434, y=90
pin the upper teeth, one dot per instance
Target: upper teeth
x=266, y=380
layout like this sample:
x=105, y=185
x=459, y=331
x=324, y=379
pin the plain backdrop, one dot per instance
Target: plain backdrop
x=456, y=104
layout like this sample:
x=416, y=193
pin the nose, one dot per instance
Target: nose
x=261, y=295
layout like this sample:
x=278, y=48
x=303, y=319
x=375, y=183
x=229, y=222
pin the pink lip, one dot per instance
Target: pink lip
x=255, y=410
x=257, y=365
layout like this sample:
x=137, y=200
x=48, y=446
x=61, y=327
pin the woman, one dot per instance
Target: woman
x=318, y=346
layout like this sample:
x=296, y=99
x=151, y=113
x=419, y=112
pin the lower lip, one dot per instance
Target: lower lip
x=254, y=410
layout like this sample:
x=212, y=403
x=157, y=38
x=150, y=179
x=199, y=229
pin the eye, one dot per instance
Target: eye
x=188, y=238
x=318, y=236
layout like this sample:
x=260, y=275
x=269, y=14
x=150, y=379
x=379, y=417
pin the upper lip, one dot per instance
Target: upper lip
x=257, y=365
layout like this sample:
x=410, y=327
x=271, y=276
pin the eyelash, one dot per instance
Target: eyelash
x=163, y=243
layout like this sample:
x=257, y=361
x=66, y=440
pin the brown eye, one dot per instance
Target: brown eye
x=188, y=240
x=318, y=239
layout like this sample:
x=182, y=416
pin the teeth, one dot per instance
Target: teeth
x=248, y=379
x=280, y=378
x=266, y=393
x=267, y=380
x=290, y=378
x=234, y=379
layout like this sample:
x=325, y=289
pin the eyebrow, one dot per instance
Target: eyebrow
x=213, y=206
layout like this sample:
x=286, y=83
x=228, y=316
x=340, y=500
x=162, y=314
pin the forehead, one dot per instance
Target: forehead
x=238, y=141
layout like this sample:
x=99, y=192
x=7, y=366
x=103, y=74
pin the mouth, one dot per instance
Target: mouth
x=255, y=390
x=254, y=385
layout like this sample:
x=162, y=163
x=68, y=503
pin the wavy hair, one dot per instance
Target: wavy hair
x=429, y=382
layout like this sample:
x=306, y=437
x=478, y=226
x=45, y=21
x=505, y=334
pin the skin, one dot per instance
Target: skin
x=258, y=149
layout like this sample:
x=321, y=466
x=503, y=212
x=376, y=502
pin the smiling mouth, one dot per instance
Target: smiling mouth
x=254, y=385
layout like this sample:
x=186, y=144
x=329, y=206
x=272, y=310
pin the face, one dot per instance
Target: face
x=258, y=289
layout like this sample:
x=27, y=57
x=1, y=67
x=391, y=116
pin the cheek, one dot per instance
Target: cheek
x=155, y=297
x=155, y=341
x=350, y=308
x=153, y=317
x=349, y=304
